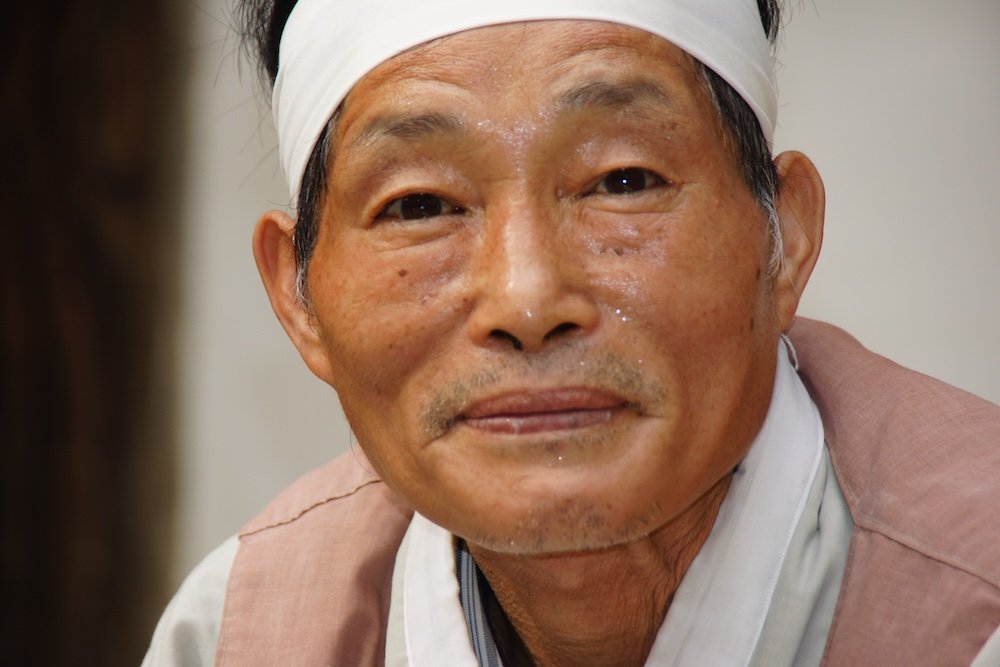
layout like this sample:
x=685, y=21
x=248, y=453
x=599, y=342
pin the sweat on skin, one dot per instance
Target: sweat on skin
x=551, y=311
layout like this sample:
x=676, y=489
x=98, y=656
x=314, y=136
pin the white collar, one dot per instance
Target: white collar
x=426, y=623
x=717, y=613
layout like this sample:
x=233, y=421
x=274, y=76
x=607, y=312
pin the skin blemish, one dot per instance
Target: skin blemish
x=618, y=251
x=412, y=360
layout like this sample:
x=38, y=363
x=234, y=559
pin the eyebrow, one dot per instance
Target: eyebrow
x=615, y=96
x=604, y=95
x=407, y=126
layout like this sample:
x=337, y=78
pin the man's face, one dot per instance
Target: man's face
x=540, y=286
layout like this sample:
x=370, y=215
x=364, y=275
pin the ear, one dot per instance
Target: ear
x=274, y=252
x=801, y=206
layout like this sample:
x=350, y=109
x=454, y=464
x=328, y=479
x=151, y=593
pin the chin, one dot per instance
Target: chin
x=561, y=525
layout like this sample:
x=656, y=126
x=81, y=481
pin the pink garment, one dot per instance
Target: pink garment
x=918, y=463
x=310, y=583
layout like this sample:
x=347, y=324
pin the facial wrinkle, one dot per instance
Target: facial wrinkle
x=603, y=95
x=410, y=127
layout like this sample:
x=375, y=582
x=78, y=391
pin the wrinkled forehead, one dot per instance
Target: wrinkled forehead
x=505, y=52
x=514, y=80
x=329, y=45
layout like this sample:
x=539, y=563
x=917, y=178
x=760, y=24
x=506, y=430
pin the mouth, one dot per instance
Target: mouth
x=531, y=412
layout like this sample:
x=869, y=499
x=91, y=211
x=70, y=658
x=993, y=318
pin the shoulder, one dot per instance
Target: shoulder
x=341, y=512
x=322, y=547
x=320, y=553
x=917, y=461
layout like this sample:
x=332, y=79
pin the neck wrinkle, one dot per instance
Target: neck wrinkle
x=603, y=607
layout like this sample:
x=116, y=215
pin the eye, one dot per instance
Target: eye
x=628, y=180
x=418, y=206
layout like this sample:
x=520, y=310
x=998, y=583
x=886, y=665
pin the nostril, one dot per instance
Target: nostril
x=505, y=336
x=565, y=327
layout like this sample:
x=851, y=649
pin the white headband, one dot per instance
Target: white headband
x=329, y=45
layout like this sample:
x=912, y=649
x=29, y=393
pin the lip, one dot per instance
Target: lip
x=526, y=412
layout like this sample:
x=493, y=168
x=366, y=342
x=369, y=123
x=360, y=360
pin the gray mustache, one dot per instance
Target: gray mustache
x=610, y=373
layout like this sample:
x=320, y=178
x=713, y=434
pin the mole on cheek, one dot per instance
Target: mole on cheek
x=402, y=273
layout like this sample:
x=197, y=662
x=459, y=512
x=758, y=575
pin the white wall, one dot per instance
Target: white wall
x=895, y=100
x=251, y=417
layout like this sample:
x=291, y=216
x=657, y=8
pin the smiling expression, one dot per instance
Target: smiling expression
x=540, y=285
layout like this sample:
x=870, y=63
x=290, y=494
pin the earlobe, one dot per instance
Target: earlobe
x=274, y=253
x=801, y=205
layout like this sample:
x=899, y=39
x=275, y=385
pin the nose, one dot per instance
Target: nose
x=530, y=289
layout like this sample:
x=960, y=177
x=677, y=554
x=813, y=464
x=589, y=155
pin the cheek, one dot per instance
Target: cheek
x=700, y=273
x=382, y=313
x=695, y=302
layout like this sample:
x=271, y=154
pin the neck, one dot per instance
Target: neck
x=599, y=607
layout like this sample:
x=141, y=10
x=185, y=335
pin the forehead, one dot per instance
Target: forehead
x=539, y=42
x=540, y=62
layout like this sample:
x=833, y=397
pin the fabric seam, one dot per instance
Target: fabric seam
x=289, y=519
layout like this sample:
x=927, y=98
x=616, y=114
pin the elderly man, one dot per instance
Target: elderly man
x=544, y=255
